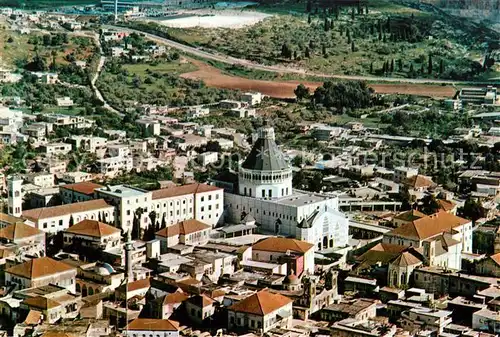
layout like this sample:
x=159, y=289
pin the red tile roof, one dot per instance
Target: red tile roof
x=152, y=324
x=420, y=181
x=85, y=187
x=177, y=297
x=183, y=190
x=428, y=226
x=92, y=228
x=282, y=245
x=185, y=227
x=39, y=267
x=50, y=212
x=19, y=231
x=261, y=303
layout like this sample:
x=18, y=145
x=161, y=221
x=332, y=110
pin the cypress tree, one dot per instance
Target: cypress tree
x=324, y=51
x=348, y=33
x=327, y=25
x=392, y=65
x=353, y=47
x=309, y=19
x=371, y=68
x=352, y=14
x=307, y=53
x=441, y=66
x=429, y=67
x=400, y=65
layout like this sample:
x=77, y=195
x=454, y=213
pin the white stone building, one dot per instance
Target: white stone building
x=41, y=271
x=195, y=201
x=113, y=166
x=58, y=218
x=265, y=192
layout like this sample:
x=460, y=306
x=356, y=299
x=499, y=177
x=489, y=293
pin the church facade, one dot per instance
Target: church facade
x=264, y=192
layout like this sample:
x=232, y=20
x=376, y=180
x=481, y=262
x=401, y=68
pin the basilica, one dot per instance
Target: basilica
x=262, y=190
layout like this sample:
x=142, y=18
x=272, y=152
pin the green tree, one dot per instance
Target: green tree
x=353, y=47
x=441, y=66
x=309, y=19
x=301, y=92
x=307, y=53
x=473, y=210
x=429, y=67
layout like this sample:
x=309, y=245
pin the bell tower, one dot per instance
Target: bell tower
x=14, y=198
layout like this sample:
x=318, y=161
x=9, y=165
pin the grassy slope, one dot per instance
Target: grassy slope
x=20, y=49
x=263, y=41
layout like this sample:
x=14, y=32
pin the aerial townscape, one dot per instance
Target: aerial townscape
x=262, y=168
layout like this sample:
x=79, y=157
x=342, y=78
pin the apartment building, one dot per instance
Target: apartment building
x=55, y=149
x=41, y=179
x=113, y=166
x=88, y=143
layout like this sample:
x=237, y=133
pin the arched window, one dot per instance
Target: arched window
x=91, y=291
x=403, y=278
x=78, y=289
x=16, y=194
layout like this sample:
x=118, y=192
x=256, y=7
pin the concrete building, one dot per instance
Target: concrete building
x=64, y=102
x=208, y=158
x=150, y=127
x=265, y=192
x=260, y=312
x=485, y=95
x=252, y=98
x=40, y=272
x=326, y=133
x=41, y=179
x=76, y=177
x=87, y=143
x=360, y=309
x=486, y=320
x=402, y=174
x=113, y=166
x=418, y=319
x=55, y=149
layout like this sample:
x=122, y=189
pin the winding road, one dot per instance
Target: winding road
x=212, y=55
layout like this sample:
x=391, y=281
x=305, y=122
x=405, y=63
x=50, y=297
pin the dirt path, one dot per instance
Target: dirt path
x=213, y=77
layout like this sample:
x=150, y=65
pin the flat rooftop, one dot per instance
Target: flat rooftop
x=300, y=199
x=121, y=191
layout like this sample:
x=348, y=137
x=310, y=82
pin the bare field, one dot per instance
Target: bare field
x=213, y=77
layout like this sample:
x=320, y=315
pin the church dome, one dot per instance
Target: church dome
x=265, y=154
x=104, y=269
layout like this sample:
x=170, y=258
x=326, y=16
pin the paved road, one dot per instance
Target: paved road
x=212, y=55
